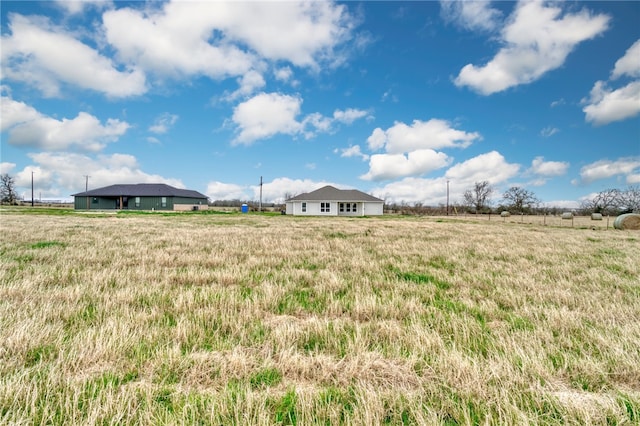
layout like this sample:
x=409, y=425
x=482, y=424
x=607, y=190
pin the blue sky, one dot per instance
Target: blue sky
x=392, y=98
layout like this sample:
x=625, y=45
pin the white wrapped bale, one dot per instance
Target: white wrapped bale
x=596, y=216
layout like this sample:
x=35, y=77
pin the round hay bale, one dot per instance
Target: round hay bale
x=567, y=215
x=505, y=214
x=627, y=221
x=596, y=216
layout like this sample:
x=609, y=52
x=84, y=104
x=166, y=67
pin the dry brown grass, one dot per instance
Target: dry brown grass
x=248, y=319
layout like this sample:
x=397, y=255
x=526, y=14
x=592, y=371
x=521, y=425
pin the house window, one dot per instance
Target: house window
x=304, y=207
x=137, y=201
x=354, y=207
x=164, y=202
x=342, y=207
x=325, y=207
x=95, y=200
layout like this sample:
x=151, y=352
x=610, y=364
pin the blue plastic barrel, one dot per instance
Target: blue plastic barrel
x=245, y=208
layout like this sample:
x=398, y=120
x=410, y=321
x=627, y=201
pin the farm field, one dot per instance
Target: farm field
x=256, y=319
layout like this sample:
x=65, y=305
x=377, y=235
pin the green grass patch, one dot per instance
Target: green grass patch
x=420, y=278
x=284, y=408
x=265, y=378
x=45, y=244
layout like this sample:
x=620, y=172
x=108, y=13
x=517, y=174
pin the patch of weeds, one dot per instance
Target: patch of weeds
x=631, y=407
x=313, y=342
x=284, y=409
x=236, y=391
x=246, y=292
x=345, y=401
x=619, y=270
x=440, y=262
x=308, y=265
x=45, y=244
x=609, y=252
x=167, y=374
x=397, y=413
x=340, y=235
x=24, y=258
x=265, y=378
x=168, y=319
x=86, y=317
x=419, y=278
x=593, y=240
x=306, y=299
x=519, y=323
x=164, y=398
x=39, y=353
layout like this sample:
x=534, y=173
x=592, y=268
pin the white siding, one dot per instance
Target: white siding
x=313, y=208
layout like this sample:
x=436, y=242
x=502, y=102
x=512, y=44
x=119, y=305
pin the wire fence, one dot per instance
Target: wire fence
x=606, y=222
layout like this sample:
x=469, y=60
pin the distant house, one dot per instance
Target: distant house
x=140, y=196
x=330, y=201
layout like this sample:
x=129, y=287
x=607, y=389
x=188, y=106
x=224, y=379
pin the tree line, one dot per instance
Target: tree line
x=516, y=199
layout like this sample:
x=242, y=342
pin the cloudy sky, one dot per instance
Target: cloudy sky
x=392, y=98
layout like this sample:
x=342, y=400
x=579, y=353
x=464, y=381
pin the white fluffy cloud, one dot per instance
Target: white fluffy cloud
x=268, y=114
x=226, y=191
x=6, y=167
x=58, y=175
x=28, y=127
x=432, y=134
x=349, y=115
x=629, y=64
x=265, y=115
x=606, y=105
x=491, y=167
x=276, y=191
x=537, y=38
x=415, y=163
x=47, y=57
x=175, y=40
x=163, y=123
x=548, y=168
x=352, y=151
x=410, y=150
x=415, y=190
x=604, y=169
x=471, y=15
x=186, y=38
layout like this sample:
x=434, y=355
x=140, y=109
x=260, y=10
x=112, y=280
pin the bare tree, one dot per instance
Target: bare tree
x=605, y=202
x=479, y=196
x=629, y=199
x=518, y=199
x=8, y=189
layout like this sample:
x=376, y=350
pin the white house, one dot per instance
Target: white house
x=330, y=201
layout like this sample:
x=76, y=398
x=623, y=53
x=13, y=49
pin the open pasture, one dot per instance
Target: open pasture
x=250, y=319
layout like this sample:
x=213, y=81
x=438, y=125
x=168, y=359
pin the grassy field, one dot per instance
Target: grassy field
x=250, y=319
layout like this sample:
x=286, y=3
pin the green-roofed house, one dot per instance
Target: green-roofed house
x=330, y=201
x=140, y=196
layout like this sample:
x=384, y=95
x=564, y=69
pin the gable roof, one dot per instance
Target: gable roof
x=141, y=190
x=329, y=193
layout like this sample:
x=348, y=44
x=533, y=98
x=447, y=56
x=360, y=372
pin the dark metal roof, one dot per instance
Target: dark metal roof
x=329, y=193
x=141, y=190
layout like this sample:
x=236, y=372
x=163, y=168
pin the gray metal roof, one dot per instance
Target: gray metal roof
x=329, y=193
x=141, y=190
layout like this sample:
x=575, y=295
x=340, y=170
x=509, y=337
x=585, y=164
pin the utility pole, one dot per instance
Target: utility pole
x=31, y=188
x=447, y=197
x=260, y=206
x=86, y=182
